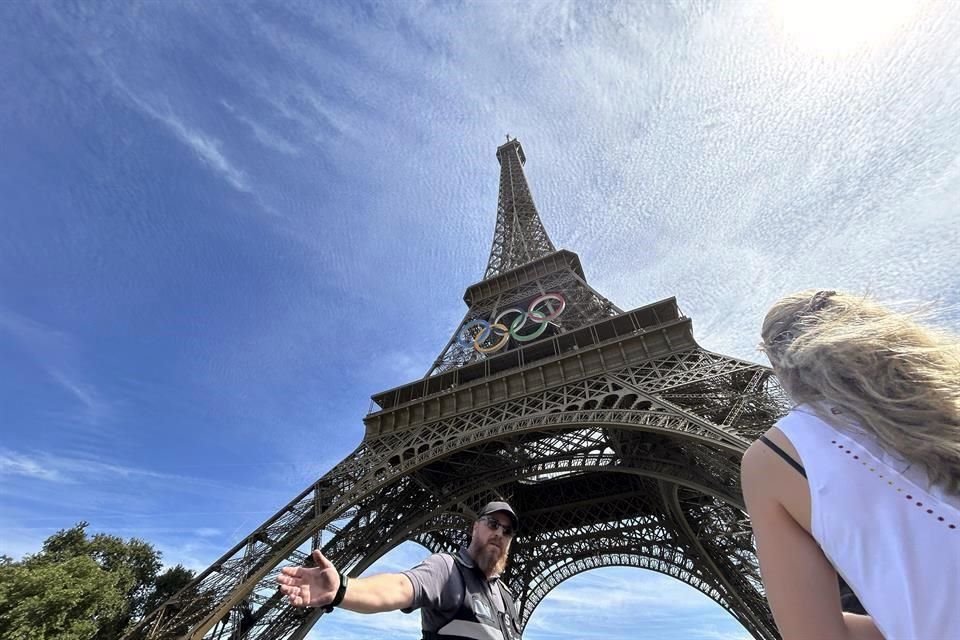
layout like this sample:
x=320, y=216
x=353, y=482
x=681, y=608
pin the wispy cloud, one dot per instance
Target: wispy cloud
x=20, y=465
x=58, y=354
x=91, y=471
x=206, y=146
x=36, y=338
x=95, y=407
x=43, y=492
x=266, y=137
x=640, y=590
x=69, y=470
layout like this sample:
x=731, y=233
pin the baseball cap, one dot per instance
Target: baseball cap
x=493, y=507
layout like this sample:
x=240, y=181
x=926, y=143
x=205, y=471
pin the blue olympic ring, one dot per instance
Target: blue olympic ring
x=477, y=334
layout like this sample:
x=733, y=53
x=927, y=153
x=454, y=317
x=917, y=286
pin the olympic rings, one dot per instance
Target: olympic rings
x=494, y=336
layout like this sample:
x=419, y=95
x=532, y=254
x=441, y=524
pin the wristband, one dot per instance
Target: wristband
x=341, y=592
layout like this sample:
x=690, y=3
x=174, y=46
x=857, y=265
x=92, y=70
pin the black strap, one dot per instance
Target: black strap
x=341, y=591
x=783, y=454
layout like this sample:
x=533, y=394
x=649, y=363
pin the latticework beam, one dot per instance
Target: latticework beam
x=612, y=427
x=615, y=436
x=519, y=236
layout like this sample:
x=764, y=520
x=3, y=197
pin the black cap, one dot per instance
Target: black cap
x=493, y=507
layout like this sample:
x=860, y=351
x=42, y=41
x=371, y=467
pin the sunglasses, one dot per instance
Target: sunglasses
x=495, y=524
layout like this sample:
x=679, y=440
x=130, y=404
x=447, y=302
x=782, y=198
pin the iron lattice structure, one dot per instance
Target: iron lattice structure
x=615, y=436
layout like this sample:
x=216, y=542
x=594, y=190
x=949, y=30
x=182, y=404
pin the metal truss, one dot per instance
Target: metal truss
x=615, y=436
x=601, y=448
x=519, y=236
x=584, y=306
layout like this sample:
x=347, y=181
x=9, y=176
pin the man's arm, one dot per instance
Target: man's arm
x=317, y=587
x=800, y=582
x=382, y=592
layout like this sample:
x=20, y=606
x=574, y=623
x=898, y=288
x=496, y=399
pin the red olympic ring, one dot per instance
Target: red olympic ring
x=555, y=305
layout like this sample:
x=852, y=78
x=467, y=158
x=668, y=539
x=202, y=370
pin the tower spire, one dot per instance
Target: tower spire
x=519, y=236
x=524, y=269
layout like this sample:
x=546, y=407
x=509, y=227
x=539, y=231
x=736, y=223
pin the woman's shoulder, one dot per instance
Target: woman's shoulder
x=809, y=421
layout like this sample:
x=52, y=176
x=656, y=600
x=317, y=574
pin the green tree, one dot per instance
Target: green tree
x=167, y=583
x=83, y=588
x=69, y=600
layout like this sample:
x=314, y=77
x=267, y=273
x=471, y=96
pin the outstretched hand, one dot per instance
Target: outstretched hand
x=310, y=586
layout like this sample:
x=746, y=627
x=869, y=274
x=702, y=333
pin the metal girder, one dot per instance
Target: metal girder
x=657, y=443
x=748, y=604
x=518, y=236
x=584, y=306
x=615, y=436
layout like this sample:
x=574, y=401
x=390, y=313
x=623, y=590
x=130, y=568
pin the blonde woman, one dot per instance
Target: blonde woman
x=862, y=477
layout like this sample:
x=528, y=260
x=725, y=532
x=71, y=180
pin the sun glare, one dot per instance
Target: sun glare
x=838, y=26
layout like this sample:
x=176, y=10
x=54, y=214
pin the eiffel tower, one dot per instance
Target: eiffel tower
x=614, y=435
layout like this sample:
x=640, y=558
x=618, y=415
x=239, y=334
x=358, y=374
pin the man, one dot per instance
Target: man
x=459, y=596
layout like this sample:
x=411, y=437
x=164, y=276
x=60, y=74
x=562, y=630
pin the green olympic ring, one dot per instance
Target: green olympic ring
x=466, y=338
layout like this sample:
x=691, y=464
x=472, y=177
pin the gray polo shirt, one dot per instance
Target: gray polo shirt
x=438, y=589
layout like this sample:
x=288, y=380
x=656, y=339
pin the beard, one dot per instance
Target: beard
x=492, y=560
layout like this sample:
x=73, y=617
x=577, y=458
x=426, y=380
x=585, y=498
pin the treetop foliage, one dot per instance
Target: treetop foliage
x=80, y=587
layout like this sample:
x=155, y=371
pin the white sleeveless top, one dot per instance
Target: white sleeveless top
x=893, y=539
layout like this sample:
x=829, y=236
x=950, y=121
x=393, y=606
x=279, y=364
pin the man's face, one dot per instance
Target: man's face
x=490, y=543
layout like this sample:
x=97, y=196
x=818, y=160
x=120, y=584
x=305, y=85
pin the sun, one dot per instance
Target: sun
x=829, y=27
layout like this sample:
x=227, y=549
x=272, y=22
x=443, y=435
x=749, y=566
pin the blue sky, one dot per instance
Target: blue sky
x=223, y=226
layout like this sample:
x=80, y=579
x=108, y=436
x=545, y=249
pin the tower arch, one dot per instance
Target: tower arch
x=614, y=435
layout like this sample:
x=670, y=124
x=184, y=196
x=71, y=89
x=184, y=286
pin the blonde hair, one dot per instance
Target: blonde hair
x=886, y=374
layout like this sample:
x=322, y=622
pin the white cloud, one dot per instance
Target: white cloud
x=629, y=602
x=266, y=137
x=92, y=472
x=206, y=146
x=95, y=407
x=34, y=335
x=637, y=590
x=56, y=353
x=15, y=464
